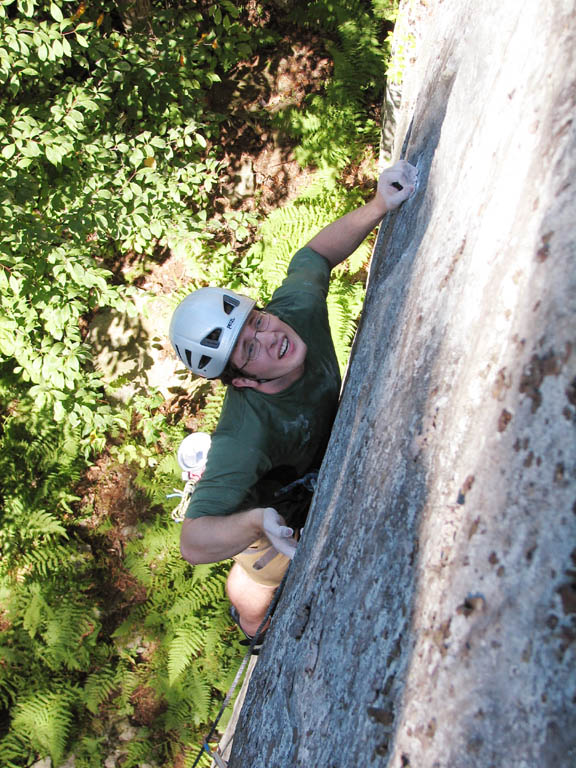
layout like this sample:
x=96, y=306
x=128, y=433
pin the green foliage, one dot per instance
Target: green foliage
x=211, y=411
x=186, y=615
x=179, y=642
x=99, y=686
x=38, y=472
x=109, y=145
x=105, y=147
x=334, y=126
x=44, y=719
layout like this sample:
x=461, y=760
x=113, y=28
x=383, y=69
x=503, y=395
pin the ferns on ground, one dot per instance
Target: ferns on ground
x=334, y=126
x=44, y=719
x=99, y=686
x=211, y=412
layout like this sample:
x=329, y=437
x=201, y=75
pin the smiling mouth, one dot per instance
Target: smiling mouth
x=283, y=348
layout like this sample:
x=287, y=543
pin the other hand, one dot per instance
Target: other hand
x=397, y=183
x=278, y=533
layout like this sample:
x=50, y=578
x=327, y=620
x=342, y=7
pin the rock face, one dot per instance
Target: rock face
x=429, y=617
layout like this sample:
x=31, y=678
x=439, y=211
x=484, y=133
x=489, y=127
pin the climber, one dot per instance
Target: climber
x=284, y=385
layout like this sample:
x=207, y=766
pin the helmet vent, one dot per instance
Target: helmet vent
x=188, y=357
x=204, y=360
x=230, y=303
x=213, y=339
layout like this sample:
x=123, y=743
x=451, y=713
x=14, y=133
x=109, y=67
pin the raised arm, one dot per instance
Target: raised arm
x=341, y=238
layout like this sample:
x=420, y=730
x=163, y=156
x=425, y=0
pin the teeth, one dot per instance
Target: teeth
x=284, y=348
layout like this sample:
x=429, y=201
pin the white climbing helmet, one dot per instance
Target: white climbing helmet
x=205, y=327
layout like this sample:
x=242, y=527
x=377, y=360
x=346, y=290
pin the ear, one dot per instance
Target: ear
x=242, y=381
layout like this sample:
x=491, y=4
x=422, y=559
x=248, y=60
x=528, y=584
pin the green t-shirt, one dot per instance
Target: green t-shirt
x=258, y=432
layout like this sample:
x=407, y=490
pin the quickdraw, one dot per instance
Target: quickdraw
x=179, y=513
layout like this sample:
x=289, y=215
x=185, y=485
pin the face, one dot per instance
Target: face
x=268, y=348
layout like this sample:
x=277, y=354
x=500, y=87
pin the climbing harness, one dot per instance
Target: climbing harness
x=220, y=762
x=308, y=481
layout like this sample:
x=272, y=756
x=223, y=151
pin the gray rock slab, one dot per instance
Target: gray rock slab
x=429, y=615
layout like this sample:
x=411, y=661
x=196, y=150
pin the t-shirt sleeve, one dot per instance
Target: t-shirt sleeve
x=232, y=469
x=301, y=299
x=308, y=272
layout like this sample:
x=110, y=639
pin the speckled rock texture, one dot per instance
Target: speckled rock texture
x=429, y=617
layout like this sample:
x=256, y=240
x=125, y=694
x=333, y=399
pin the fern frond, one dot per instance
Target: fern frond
x=12, y=680
x=36, y=612
x=198, y=597
x=212, y=409
x=190, y=758
x=98, y=687
x=138, y=753
x=44, y=720
x=344, y=302
x=187, y=642
x=127, y=680
x=189, y=701
x=40, y=523
x=70, y=632
x=168, y=465
x=156, y=556
x=15, y=751
x=44, y=561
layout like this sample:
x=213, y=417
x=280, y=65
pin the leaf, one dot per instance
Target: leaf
x=7, y=342
x=31, y=149
x=156, y=228
x=8, y=151
x=27, y=7
x=14, y=284
x=56, y=13
x=57, y=48
x=187, y=642
x=53, y=154
x=59, y=412
x=136, y=157
x=67, y=50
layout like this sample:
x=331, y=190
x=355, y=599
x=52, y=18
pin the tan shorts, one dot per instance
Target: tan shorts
x=262, y=563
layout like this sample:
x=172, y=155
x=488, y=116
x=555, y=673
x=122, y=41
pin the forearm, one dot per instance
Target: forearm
x=341, y=238
x=338, y=240
x=214, y=538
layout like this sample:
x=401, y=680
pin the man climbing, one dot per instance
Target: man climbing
x=279, y=409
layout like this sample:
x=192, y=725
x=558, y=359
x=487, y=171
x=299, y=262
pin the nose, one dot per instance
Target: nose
x=270, y=339
x=267, y=337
